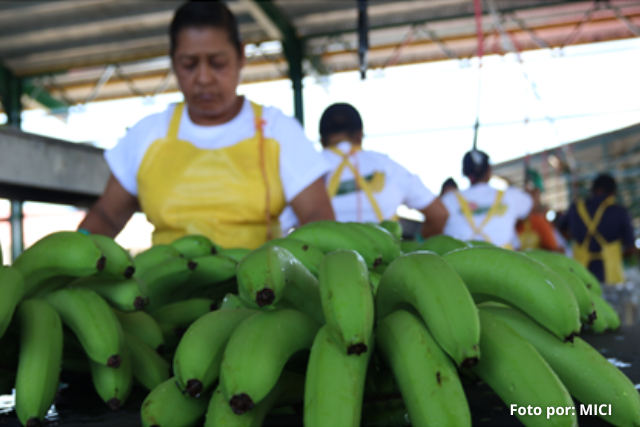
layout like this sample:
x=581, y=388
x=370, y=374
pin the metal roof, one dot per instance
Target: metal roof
x=568, y=170
x=77, y=52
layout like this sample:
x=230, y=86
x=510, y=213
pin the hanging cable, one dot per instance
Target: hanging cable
x=477, y=6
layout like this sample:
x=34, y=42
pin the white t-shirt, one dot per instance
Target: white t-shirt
x=300, y=163
x=501, y=228
x=400, y=187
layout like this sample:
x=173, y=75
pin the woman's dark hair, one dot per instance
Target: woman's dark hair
x=204, y=14
x=339, y=118
x=605, y=183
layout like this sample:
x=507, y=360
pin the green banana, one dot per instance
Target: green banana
x=591, y=282
x=288, y=390
x=382, y=239
x=480, y=244
x=393, y=227
x=232, y=301
x=600, y=323
x=166, y=278
x=334, y=383
x=374, y=278
x=428, y=379
x=519, y=375
x=610, y=315
x=347, y=299
x=12, y=285
x=148, y=367
x=65, y=253
x=166, y=406
x=124, y=294
x=425, y=281
x=257, y=352
x=172, y=335
x=53, y=284
x=196, y=363
x=308, y=255
x=588, y=376
x=235, y=254
x=407, y=246
x=155, y=255
x=119, y=263
x=113, y=385
x=194, y=245
x=578, y=288
x=329, y=236
x=270, y=274
x=143, y=326
x=218, y=291
x=40, y=360
x=93, y=322
x=442, y=244
x=212, y=270
x=495, y=274
x=183, y=313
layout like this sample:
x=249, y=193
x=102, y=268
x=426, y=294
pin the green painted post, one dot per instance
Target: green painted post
x=11, y=93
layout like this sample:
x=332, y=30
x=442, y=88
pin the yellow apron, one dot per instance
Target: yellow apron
x=334, y=182
x=610, y=253
x=478, y=230
x=233, y=195
x=529, y=239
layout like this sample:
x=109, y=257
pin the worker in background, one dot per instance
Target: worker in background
x=536, y=232
x=601, y=231
x=216, y=164
x=482, y=212
x=365, y=186
x=448, y=185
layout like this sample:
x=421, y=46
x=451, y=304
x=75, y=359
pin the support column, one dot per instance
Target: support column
x=294, y=53
x=17, y=231
x=11, y=93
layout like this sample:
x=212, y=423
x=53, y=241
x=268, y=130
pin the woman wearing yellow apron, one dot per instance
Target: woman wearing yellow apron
x=217, y=164
x=602, y=232
x=366, y=186
x=482, y=212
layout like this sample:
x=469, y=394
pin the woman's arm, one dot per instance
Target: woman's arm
x=313, y=204
x=110, y=213
x=436, y=216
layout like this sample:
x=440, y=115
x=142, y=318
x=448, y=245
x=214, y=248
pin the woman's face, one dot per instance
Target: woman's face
x=207, y=67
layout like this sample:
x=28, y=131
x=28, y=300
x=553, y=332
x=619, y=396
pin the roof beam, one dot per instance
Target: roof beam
x=272, y=19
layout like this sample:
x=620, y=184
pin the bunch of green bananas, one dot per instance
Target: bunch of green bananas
x=333, y=320
x=82, y=304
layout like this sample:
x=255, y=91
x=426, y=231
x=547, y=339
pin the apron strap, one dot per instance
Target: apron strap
x=174, y=125
x=259, y=126
x=592, y=224
x=334, y=182
x=466, y=211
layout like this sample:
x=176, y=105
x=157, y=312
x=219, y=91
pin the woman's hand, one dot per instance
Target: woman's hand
x=313, y=204
x=110, y=213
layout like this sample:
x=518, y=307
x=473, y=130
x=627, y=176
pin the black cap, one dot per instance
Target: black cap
x=338, y=118
x=448, y=183
x=475, y=163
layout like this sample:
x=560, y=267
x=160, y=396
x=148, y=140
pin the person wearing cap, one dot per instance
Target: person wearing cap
x=536, y=232
x=366, y=186
x=216, y=164
x=482, y=212
x=601, y=231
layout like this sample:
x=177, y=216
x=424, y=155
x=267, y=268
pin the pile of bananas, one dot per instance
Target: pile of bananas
x=340, y=322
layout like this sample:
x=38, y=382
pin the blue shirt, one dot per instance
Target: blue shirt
x=615, y=225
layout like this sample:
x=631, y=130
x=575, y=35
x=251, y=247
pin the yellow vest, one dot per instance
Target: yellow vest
x=232, y=195
x=478, y=230
x=334, y=182
x=610, y=252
